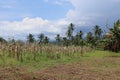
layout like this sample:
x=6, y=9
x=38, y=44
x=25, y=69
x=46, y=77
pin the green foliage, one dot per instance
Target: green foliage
x=97, y=32
x=65, y=41
x=90, y=40
x=41, y=38
x=58, y=39
x=2, y=40
x=46, y=40
x=113, y=43
x=70, y=30
x=30, y=38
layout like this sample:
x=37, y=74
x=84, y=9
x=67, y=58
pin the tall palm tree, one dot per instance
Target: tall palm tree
x=100, y=33
x=65, y=41
x=30, y=38
x=80, y=34
x=77, y=39
x=97, y=32
x=46, y=40
x=41, y=37
x=70, y=31
x=90, y=40
x=89, y=37
x=58, y=38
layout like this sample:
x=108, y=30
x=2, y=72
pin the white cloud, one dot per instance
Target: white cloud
x=84, y=13
x=32, y=25
x=92, y=11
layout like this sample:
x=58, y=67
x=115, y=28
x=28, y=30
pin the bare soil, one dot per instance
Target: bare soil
x=86, y=70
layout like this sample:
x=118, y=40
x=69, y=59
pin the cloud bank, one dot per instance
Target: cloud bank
x=85, y=13
x=32, y=25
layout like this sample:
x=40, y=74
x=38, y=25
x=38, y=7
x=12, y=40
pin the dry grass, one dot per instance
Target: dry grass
x=51, y=51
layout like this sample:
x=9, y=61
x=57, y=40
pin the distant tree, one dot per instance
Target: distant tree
x=65, y=41
x=20, y=42
x=100, y=33
x=58, y=38
x=30, y=38
x=41, y=37
x=78, y=38
x=80, y=34
x=46, y=40
x=72, y=40
x=113, y=42
x=90, y=39
x=70, y=30
x=97, y=32
x=11, y=41
x=2, y=40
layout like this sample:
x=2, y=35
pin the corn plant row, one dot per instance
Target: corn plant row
x=50, y=51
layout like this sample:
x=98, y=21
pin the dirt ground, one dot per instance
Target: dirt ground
x=72, y=71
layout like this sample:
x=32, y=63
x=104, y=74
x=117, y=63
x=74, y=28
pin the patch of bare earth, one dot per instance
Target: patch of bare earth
x=95, y=69
x=14, y=73
x=75, y=72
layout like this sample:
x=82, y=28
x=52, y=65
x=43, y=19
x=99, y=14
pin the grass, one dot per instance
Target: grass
x=43, y=62
x=102, y=54
x=96, y=64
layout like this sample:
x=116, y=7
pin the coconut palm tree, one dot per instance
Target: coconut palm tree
x=30, y=38
x=97, y=32
x=41, y=37
x=46, y=40
x=80, y=34
x=90, y=39
x=78, y=38
x=58, y=38
x=70, y=30
x=65, y=41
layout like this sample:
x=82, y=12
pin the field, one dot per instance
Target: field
x=91, y=65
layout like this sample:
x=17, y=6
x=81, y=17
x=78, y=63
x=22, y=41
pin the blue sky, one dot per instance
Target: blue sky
x=21, y=17
x=19, y=9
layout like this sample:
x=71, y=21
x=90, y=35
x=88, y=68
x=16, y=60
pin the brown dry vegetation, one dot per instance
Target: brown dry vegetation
x=90, y=66
x=54, y=52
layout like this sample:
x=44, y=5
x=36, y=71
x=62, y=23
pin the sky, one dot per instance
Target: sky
x=18, y=18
